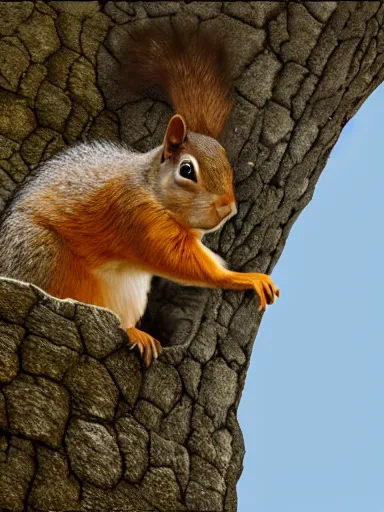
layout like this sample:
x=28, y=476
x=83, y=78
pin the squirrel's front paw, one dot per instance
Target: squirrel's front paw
x=148, y=346
x=265, y=288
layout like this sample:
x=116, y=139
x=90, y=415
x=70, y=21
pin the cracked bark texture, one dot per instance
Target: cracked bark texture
x=83, y=425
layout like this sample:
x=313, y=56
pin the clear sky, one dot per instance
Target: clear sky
x=312, y=411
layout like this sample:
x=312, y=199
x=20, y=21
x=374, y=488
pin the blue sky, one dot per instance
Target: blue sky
x=312, y=411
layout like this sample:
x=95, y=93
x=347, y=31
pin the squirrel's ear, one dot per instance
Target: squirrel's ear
x=175, y=136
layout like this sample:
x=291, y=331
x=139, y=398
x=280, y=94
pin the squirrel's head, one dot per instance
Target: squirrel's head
x=195, y=179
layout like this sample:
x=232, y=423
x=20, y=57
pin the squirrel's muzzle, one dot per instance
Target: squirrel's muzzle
x=226, y=209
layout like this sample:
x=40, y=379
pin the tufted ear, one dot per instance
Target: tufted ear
x=175, y=136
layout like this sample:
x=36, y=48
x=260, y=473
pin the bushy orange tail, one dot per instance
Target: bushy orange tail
x=192, y=68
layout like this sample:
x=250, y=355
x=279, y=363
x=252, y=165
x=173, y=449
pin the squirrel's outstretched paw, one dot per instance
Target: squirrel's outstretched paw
x=265, y=288
x=149, y=347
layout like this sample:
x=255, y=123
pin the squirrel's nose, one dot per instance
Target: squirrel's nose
x=224, y=210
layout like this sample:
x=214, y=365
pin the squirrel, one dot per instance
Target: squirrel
x=98, y=220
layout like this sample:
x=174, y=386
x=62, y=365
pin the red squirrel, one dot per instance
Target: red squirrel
x=98, y=220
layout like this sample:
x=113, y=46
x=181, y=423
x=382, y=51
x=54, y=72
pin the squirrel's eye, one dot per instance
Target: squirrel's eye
x=187, y=171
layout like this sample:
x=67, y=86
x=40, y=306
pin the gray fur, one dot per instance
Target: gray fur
x=29, y=251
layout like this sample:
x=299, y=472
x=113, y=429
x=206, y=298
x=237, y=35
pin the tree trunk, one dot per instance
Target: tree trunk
x=83, y=425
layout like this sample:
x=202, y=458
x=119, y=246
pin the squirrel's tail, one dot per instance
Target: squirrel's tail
x=192, y=68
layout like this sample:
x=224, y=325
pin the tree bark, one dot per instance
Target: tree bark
x=83, y=424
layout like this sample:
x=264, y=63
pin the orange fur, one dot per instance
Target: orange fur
x=106, y=219
x=192, y=67
x=105, y=229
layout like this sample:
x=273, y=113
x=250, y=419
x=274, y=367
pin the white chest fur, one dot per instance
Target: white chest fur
x=125, y=291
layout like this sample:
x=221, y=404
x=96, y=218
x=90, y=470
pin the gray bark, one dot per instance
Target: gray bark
x=83, y=425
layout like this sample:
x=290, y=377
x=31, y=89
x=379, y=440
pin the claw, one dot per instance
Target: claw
x=148, y=346
x=262, y=300
x=266, y=289
x=154, y=349
x=269, y=293
x=147, y=357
